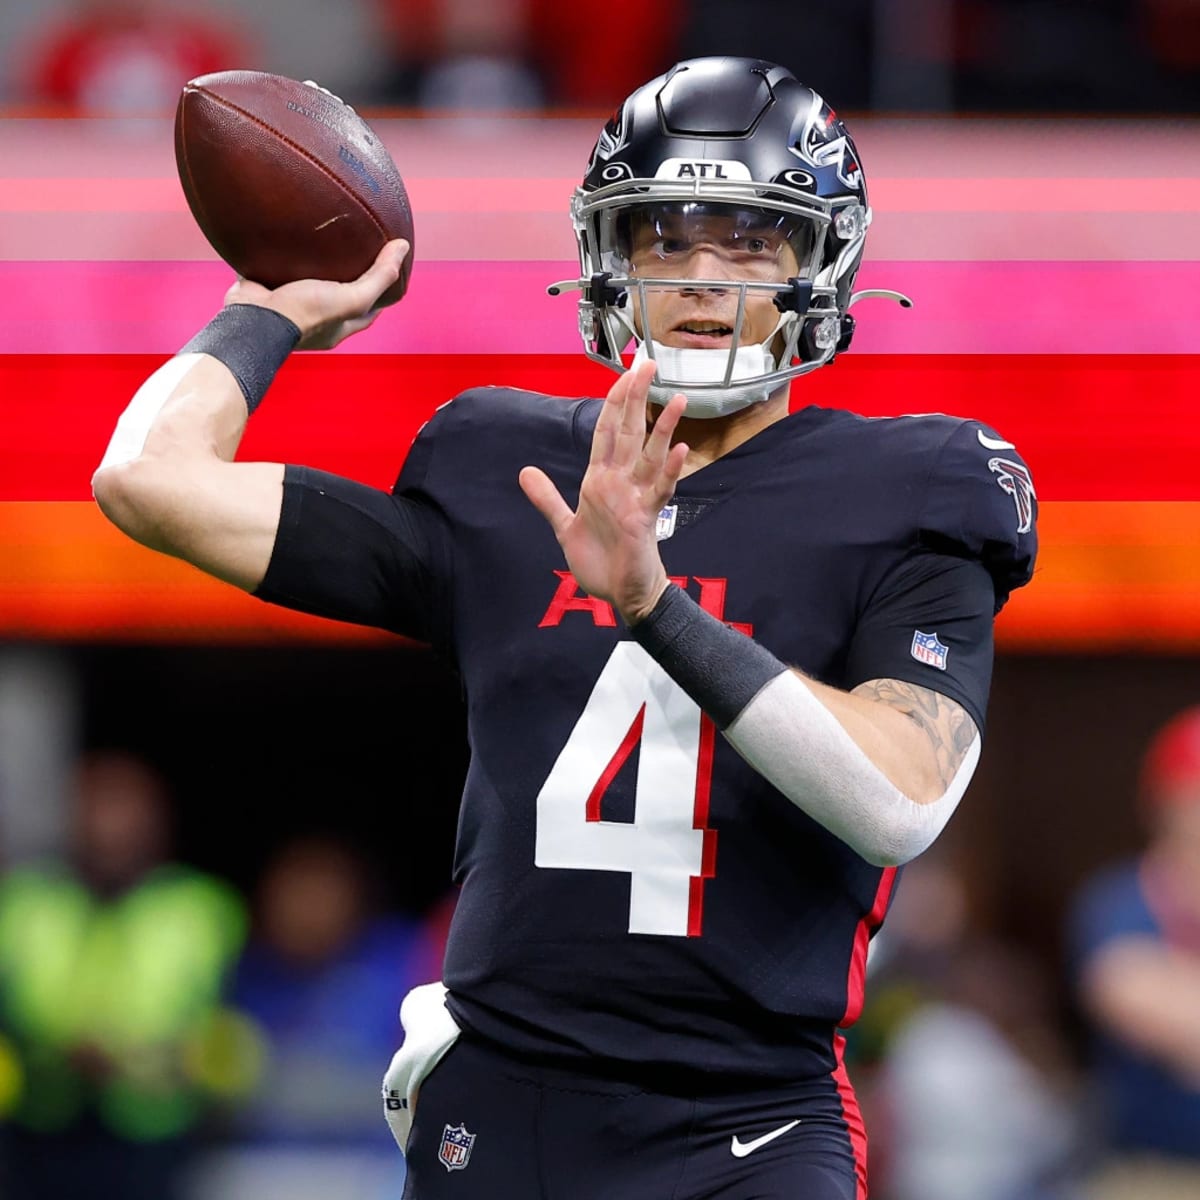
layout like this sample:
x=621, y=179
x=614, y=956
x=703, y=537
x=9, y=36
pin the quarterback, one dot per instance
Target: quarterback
x=726, y=664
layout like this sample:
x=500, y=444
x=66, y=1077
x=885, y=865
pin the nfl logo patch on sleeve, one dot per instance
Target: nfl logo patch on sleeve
x=928, y=650
x=455, y=1151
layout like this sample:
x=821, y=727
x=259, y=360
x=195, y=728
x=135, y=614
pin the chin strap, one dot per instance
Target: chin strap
x=708, y=367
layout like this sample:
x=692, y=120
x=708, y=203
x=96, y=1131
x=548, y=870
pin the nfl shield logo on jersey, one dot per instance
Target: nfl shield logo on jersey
x=455, y=1151
x=664, y=527
x=928, y=650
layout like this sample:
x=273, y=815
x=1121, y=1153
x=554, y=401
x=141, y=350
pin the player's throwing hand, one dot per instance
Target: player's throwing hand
x=609, y=540
x=325, y=312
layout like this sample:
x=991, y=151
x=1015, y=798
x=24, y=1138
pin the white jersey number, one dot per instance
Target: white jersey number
x=667, y=851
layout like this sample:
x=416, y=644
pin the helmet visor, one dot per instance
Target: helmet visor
x=694, y=239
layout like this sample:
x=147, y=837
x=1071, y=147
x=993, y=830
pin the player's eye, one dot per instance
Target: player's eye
x=751, y=245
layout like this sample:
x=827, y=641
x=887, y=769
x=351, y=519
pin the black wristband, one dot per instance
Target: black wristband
x=721, y=669
x=252, y=342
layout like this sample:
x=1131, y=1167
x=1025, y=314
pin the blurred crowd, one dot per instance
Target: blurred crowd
x=182, y=1038
x=166, y=1036
x=123, y=56
x=989, y=1073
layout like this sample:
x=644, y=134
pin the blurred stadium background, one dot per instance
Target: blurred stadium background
x=1034, y=166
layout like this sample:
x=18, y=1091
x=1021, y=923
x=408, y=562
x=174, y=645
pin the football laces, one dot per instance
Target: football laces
x=312, y=83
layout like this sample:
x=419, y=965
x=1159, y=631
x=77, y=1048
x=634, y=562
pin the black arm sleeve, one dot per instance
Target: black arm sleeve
x=353, y=553
x=949, y=601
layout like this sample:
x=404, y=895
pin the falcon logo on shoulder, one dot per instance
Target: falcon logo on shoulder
x=1015, y=479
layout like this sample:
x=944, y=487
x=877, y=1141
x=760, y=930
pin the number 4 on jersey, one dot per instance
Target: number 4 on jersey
x=666, y=850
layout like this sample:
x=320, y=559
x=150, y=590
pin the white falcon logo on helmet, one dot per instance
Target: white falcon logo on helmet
x=824, y=144
x=609, y=143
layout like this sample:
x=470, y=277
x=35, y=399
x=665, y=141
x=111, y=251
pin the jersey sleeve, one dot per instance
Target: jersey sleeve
x=980, y=503
x=415, y=478
x=354, y=553
x=929, y=623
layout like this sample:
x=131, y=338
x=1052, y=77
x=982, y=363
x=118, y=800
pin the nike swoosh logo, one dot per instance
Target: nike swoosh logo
x=992, y=443
x=741, y=1149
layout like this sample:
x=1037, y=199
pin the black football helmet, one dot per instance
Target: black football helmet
x=743, y=137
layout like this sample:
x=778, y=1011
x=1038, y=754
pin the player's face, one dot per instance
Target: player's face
x=691, y=242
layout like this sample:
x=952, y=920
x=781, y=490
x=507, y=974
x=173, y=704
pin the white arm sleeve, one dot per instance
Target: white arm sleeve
x=133, y=426
x=796, y=743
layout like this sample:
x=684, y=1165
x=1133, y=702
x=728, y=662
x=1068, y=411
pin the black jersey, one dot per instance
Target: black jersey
x=633, y=894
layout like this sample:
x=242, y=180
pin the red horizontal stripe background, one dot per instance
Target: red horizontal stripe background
x=1091, y=428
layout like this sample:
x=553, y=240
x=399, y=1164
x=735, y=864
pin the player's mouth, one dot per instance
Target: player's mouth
x=701, y=335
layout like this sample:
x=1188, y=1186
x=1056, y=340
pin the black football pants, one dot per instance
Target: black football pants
x=490, y=1128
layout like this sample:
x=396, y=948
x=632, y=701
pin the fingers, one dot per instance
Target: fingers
x=378, y=277
x=664, y=428
x=672, y=469
x=329, y=336
x=605, y=434
x=621, y=426
x=245, y=291
x=660, y=463
x=632, y=432
x=545, y=497
x=658, y=443
x=620, y=438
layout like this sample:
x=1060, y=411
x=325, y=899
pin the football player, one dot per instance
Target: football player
x=726, y=667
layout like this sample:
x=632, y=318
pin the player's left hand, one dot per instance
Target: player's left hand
x=609, y=540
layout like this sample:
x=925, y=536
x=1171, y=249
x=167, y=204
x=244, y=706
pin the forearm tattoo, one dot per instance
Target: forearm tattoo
x=946, y=724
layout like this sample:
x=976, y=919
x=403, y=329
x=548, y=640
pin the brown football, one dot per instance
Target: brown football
x=286, y=181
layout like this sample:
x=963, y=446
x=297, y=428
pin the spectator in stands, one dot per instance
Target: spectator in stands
x=453, y=56
x=1135, y=943
x=1172, y=32
x=320, y=982
x=973, y=1093
x=113, y=965
x=128, y=57
x=1056, y=56
x=579, y=69
x=522, y=54
x=830, y=46
x=322, y=975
